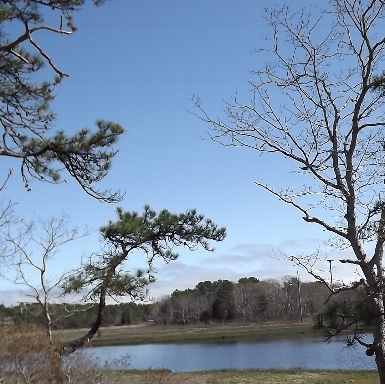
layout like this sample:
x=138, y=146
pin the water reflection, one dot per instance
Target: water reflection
x=308, y=353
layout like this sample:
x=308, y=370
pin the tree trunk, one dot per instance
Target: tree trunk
x=48, y=320
x=84, y=340
x=379, y=349
x=378, y=300
x=379, y=334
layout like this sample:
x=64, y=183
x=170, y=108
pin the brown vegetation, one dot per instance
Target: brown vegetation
x=29, y=357
x=250, y=377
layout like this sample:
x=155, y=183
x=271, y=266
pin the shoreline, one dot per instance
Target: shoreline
x=195, y=333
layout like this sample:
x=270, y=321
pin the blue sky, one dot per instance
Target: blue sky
x=139, y=63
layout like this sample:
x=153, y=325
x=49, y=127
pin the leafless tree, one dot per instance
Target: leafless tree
x=28, y=255
x=318, y=103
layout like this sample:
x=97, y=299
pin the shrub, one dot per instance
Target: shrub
x=28, y=356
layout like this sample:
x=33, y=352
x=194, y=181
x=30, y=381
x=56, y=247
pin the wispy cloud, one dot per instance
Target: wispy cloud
x=260, y=260
x=233, y=259
x=178, y=275
x=11, y=297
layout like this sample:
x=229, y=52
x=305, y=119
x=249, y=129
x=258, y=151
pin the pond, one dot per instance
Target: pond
x=307, y=353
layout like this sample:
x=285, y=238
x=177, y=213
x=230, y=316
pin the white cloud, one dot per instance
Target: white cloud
x=262, y=261
x=11, y=297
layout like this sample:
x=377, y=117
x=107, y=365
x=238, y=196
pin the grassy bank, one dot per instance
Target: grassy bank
x=145, y=334
x=249, y=377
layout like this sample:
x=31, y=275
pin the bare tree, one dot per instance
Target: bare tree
x=318, y=103
x=28, y=255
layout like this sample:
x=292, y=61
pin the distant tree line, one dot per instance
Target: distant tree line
x=248, y=300
x=70, y=316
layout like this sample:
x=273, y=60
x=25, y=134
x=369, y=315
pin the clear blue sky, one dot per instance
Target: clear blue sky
x=139, y=63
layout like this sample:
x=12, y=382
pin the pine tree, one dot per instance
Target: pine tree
x=158, y=235
x=26, y=120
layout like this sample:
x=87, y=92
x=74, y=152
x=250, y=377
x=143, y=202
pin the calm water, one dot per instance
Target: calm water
x=310, y=353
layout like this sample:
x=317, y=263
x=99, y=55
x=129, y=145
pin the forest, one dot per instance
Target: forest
x=247, y=300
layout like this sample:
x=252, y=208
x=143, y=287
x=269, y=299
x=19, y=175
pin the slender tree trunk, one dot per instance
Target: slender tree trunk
x=84, y=340
x=48, y=321
x=378, y=301
x=379, y=347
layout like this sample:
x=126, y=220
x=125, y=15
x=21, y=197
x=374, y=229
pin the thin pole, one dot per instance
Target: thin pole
x=299, y=296
x=330, y=271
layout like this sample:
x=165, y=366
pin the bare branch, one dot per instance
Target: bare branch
x=45, y=237
x=318, y=103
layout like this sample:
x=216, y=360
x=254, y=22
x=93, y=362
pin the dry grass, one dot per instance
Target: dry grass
x=28, y=356
x=250, y=377
x=149, y=333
